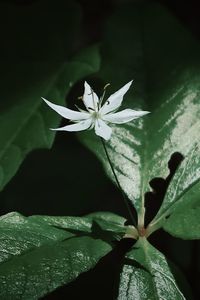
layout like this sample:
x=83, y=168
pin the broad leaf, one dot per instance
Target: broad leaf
x=184, y=182
x=36, y=258
x=146, y=275
x=184, y=220
x=106, y=224
x=40, y=67
x=163, y=59
x=184, y=224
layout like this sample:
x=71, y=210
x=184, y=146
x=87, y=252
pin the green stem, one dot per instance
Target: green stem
x=119, y=186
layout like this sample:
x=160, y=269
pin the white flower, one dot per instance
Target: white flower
x=97, y=115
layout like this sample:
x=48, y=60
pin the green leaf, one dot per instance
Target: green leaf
x=163, y=59
x=96, y=223
x=36, y=258
x=40, y=67
x=183, y=221
x=184, y=224
x=179, y=209
x=146, y=275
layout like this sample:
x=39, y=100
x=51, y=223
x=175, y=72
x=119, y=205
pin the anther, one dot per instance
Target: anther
x=105, y=87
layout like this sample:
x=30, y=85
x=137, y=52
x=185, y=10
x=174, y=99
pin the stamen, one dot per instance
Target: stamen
x=91, y=108
x=104, y=92
x=105, y=87
x=80, y=98
x=81, y=110
x=93, y=99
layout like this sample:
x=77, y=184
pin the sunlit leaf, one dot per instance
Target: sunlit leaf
x=163, y=59
x=183, y=222
x=146, y=275
x=36, y=258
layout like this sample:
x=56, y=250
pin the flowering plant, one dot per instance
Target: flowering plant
x=97, y=115
x=153, y=160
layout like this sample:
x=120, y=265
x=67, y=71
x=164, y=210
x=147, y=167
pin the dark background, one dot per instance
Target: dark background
x=64, y=185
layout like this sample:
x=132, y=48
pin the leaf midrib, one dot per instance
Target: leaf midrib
x=145, y=132
x=144, y=245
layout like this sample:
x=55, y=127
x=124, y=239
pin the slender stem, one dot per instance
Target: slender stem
x=117, y=181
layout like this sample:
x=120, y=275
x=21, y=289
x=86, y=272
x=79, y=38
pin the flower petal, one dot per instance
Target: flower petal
x=102, y=129
x=124, y=116
x=115, y=100
x=68, y=113
x=90, y=98
x=82, y=125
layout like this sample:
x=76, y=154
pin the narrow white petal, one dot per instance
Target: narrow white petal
x=124, y=116
x=68, y=113
x=102, y=129
x=90, y=98
x=115, y=100
x=82, y=125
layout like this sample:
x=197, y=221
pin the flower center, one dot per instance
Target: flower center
x=96, y=115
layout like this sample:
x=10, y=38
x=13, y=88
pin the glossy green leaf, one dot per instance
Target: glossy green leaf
x=163, y=59
x=146, y=275
x=36, y=258
x=103, y=223
x=40, y=67
x=184, y=221
x=184, y=224
x=182, y=198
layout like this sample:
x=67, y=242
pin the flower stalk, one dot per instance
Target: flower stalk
x=118, y=184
